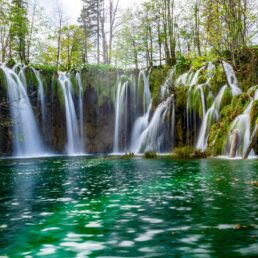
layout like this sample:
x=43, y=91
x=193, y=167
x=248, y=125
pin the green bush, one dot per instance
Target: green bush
x=150, y=155
x=185, y=152
x=128, y=156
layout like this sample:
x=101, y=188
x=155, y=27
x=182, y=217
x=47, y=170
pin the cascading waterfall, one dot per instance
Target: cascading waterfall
x=73, y=137
x=231, y=78
x=26, y=138
x=121, y=111
x=145, y=76
x=141, y=122
x=81, y=114
x=41, y=95
x=242, y=126
x=159, y=134
x=211, y=116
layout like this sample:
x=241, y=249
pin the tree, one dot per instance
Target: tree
x=18, y=29
x=4, y=29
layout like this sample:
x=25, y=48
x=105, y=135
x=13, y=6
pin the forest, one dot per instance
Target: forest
x=152, y=33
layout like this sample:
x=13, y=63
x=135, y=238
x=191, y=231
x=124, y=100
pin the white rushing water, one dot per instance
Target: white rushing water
x=81, y=113
x=41, y=95
x=211, y=116
x=231, y=78
x=242, y=126
x=26, y=138
x=141, y=122
x=121, y=111
x=159, y=134
x=74, y=146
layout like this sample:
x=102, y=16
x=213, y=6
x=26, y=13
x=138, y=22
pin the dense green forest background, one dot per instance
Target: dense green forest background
x=155, y=32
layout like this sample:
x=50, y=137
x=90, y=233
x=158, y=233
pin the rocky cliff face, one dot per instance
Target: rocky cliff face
x=99, y=111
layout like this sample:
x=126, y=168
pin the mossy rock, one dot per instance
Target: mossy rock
x=3, y=81
x=217, y=139
x=150, y=155
x=218, y=80
x=254, y=113
x=227, y=97
x=157, y=77
x=181, y=96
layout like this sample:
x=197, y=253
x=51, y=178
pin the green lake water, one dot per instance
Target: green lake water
x=96, y=207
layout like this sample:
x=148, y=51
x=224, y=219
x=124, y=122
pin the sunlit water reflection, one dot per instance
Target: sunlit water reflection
x=96, y=207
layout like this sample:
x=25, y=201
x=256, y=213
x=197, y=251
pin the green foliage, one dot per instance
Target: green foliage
x=3, y=82
x=181, y=96
x=218, y=80
x=103, y=78
x=157, y=77
x=219, y=131
x=150, y=155
x=218, y=138
x=227, y=97
x=188, y=152
x=19, y=28
x=128, y=156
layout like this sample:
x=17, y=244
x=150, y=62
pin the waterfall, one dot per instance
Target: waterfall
x=26, y=138
x=159, y=134
x=73, y=137
x=231, y=78
x=141, y=122
x=168, y=84
x=41, y=95
x=81, y=114
x=211, y=116
x=242, y=125
x=121, y=111
x=145, y=75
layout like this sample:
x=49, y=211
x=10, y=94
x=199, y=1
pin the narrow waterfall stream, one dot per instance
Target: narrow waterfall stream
x=141, y=122
x=27, y=141
x=81, y=113
x=121, y=112
x=211, y=116
x=73, y=136
x=41, y=95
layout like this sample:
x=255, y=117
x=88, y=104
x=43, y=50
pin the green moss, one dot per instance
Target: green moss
x=128, y=156
x=3, y=81
x=45, y=68
x=181, y=96
x=217, y=138
x=150, y=155
x=227, y=97
x=254, y=113
x=237, y=107
x=102, y=78
x=185, y=152
x=31, y=79
x=218, y=80
x=157, y=78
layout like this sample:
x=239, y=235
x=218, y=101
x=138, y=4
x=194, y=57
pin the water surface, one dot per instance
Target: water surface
x=96, y=207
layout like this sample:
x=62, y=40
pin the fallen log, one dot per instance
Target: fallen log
x=234, y=143
x=252, y=142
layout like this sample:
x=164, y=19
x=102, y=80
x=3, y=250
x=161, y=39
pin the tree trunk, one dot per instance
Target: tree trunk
x=234, y=143
x=253, y=140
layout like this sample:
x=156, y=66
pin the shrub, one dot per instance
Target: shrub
x=128, y=156
x=150, y=155
x=184, y=152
